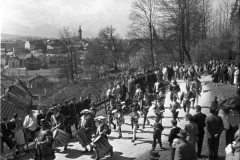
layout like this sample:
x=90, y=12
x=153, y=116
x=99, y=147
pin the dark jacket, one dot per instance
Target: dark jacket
x=86, y=104
x=6, y=132
x=173, y=134
x=200, y=119
x=214, y=125
x=185, y=151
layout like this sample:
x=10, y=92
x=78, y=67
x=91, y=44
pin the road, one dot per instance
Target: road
x=123, y=148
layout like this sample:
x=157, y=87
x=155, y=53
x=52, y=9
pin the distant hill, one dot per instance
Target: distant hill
x=45, y=30
x=17, y=37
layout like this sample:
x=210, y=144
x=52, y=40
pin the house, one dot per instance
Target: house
x=36, y=87
x=36, y=81
x=52, y=60
x=36, y=45
x=16, y=100
x=14, y=62
x=22, y=57
x=37, y=93
x=32, y=63
x=5, y=82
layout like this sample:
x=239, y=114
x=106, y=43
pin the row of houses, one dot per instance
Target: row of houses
x=34, y=56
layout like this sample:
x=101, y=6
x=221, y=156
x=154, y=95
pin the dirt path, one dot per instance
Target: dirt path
x=124, y=149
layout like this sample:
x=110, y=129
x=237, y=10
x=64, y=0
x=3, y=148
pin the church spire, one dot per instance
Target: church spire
x=80, y=33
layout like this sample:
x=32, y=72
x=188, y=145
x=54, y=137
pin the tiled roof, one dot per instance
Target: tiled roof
x=8, y=109
x=16, y=100
x=35, y=76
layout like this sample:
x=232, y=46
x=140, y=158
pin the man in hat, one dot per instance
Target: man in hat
x=214, y=128
x=7, y=136
x=102, y=130
x=184, y=150
x=199, y=118
x=87, y=123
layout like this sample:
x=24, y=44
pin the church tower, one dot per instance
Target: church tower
x=80, y=33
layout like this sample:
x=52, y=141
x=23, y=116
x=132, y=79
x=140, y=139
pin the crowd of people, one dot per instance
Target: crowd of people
x=133, y=98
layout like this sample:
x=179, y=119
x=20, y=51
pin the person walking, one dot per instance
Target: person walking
x=214, y=128
x=199, y=118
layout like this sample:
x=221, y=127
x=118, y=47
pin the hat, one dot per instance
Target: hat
x=154, y=155
x=86, y=111
x=182, y=134
x=100, y=118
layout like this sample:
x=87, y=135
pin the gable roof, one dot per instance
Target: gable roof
x=21, y=85
x=16, y=100
x=35, y=76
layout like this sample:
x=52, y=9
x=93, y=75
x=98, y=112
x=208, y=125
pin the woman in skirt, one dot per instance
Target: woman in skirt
x=18, y=132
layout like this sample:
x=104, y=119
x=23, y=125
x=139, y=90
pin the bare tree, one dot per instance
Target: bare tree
x=144, y=17
x=66, y=36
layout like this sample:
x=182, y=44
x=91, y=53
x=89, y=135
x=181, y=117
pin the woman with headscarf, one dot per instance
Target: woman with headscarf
x=44, y=143
x=231, y=111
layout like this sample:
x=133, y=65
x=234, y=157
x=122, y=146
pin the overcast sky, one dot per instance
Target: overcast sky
x=90, y=14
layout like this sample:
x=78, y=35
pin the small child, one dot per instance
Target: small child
x=157, y=135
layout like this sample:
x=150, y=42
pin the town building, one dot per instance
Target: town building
x=36, y=81
x=14, y=62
